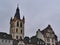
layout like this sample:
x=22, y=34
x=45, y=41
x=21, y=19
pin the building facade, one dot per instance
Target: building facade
x=49, y=36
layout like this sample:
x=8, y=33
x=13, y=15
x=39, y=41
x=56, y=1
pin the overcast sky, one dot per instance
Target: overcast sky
x=38, y=14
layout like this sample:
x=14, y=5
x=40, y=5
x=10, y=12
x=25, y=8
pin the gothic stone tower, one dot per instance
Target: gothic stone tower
x=17, y=26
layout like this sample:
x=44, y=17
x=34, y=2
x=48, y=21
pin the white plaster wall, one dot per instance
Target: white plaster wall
x=40, y=35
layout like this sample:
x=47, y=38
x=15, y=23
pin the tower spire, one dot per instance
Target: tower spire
x=17, y=14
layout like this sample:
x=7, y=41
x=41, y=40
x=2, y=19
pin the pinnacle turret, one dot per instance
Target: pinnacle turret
x=23, y=19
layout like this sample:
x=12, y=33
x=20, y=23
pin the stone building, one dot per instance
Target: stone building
x=49, y=36
x=17, y=26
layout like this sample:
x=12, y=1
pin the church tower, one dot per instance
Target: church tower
x=17, y=26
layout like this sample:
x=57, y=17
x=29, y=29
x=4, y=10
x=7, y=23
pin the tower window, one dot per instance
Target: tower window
x=21, y=31
x=16, y=37
x=16, y=30
x=17, y=24
x=20, y=24
x=20, y=37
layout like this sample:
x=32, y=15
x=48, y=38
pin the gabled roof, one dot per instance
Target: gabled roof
x=46, y=29
x=5, y=35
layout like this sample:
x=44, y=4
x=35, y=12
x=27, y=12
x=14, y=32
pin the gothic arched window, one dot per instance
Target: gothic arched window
x=20, y=37
x=21, y=31
x=16, y=30
x=17, y=24
x=20, y=24
x=16, y=37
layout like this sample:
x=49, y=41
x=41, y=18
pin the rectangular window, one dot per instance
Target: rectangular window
x=16, y=37
x=2, y=40
x=52, y=40
x=9, y=41
x=48, y=43
x=48, y=40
